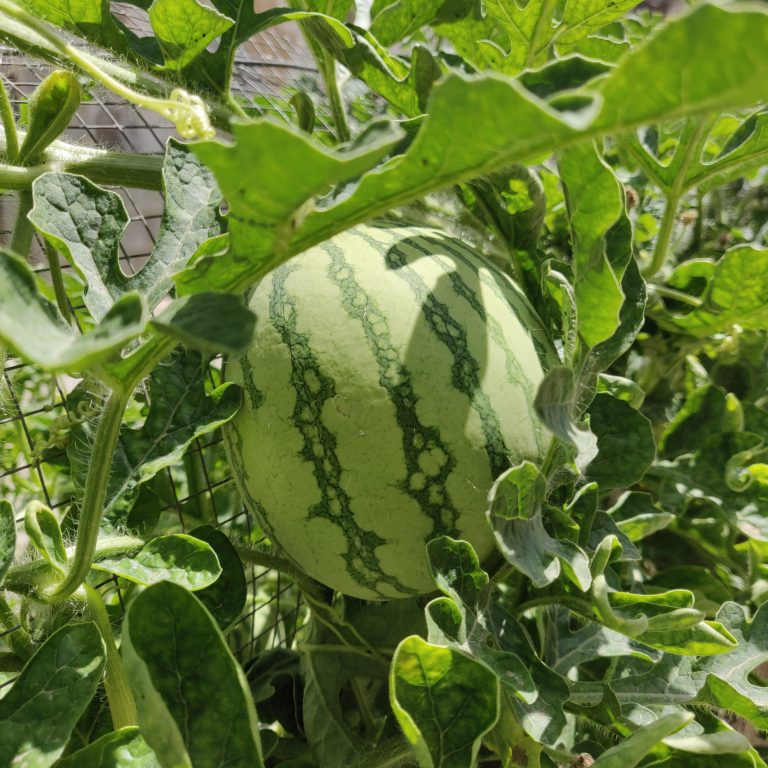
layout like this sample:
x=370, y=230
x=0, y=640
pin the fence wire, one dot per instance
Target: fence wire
x=33, y=404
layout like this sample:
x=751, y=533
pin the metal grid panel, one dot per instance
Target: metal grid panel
x=33, y=405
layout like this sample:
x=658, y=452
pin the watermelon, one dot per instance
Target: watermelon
x=390, y=381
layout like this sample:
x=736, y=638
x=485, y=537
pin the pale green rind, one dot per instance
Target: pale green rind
x=342, y=448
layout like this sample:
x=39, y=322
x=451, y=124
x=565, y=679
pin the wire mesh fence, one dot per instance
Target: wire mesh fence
x=35, y=410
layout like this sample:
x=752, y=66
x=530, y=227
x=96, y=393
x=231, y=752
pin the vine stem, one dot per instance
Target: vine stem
x=664, y=236
x=328, y=66
x=98, y=165
x=9, y=124
x=95, y=492
x=671, y=293
x=21, y=240
x=54, y=265
x=265, y=559
x=576, y=604
x=122, y=706
x=94, y=495
x=187, y=112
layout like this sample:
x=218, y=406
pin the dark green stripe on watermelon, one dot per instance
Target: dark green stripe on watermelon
x=313, y=389
x=428, y=490
x=465, y=370
x=428, y=246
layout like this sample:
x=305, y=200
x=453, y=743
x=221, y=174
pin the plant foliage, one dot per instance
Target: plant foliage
x=613, y=162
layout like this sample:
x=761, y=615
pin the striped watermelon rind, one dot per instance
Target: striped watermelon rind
x=390, y=381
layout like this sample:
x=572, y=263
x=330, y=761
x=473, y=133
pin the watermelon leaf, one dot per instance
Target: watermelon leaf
x=40, y=711
x=461, y=139
x=183, y=560
x=226, y=597
x=91, y=242
x=32, y=326
x=124, y=748
x=625, y=445
x=444, y=701
x=166, y=633
x=181, y=411
x=515, y=514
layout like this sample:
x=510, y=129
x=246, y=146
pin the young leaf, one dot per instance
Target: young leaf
x=32, y=326
x=183, y=560
x=595, y=201
x=42, y=527
x=124, y=748
x=625, y=445
x=38, y=714
x=633, y=749
x=520, y=532
x=216, y=322
x=50, y=109
x=556, y=405
x=736, y=294
x=90, y=241
x=226, y=597
x=444, y=701
x=185, y=28
x=165, y=634
x=7, y=537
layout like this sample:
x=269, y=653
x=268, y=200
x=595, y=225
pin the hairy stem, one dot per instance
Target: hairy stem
x=122, y=706
x=186, y=112
x=576, y=604
x=98, y=165
x=328, y=68
x=28, y=578
x=663, y=238
x=9, y=125
x=94, y=495
x=21, y=240
x=54, y=265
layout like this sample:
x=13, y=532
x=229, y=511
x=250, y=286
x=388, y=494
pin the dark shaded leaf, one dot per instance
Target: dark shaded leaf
x=443, y=700
x=183, y=560
x=32, y=326
x=166, y=633
x=38, y=714
x=625, y=445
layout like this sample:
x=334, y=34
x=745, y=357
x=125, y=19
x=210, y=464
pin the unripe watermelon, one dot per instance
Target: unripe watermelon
x=391, y=380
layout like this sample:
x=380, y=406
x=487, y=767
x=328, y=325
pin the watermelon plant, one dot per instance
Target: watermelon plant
x=488, y=347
